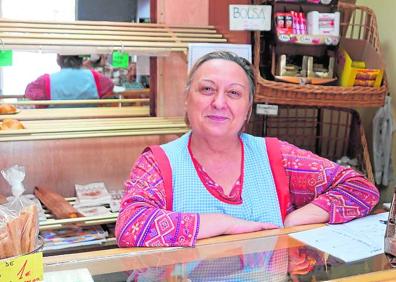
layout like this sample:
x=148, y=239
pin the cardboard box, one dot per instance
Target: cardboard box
x=359, y=64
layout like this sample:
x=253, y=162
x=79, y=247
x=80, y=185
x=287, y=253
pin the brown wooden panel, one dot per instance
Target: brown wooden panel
x=59, y=164
x=218, y=17
x=172, y=71
x=183, y=12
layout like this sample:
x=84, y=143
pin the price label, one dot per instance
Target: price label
x=267, y=110
x=27, y=268
x=120, y=60
x=5, y=58
x=284, y=37
x=305, y=40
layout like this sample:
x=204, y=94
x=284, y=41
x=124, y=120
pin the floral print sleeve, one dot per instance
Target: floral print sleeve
x=344, y=193
x=143, y=219
x=36, y=90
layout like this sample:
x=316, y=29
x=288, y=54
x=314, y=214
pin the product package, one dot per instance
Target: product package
x=91, y=195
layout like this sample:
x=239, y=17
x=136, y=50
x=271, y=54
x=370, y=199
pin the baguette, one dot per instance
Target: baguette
x=29, y=218
x=3, y=199
x=54, y=202
x=8, y=246
x=3, y=240
x=15, y=227
x=31, y=236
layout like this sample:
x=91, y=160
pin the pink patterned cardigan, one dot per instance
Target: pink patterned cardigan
x=144, y=219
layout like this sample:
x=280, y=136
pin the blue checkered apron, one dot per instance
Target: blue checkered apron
x=260, y=200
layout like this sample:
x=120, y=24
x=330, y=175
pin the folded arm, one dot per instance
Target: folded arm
x=323, y=191
x=144, y=220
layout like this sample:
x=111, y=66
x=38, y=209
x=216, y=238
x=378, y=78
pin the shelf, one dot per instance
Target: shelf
x=89, y=37
x=51, y=223
x=92, y=127
x=77, y=113
x=280, y=6
x=305, y=80
x=309, y=40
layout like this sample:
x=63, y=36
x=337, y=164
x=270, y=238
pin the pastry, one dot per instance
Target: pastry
x=7, y=109
x=11, y=124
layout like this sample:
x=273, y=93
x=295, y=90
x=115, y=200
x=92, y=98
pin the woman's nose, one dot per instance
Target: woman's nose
x=219, y=100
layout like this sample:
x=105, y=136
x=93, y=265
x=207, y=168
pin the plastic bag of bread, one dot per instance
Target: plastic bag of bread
x=8, y=124
x=18, y=231
x=18, y=217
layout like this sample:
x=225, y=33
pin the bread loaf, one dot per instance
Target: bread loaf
x=7, y=109
x=11, y=124
x=59, y=207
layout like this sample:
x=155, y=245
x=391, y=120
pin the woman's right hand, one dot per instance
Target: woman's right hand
x=219, y=224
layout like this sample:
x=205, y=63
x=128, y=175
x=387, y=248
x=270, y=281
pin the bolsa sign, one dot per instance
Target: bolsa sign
x=250, y=17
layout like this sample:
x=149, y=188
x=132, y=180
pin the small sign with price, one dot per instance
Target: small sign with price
x=120, y=60
x=27, y=268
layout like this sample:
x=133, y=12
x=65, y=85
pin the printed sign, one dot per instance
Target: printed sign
x=5, y=58
x=22, y=268
x=120, y=60
x=267, y=110
x=250, y=17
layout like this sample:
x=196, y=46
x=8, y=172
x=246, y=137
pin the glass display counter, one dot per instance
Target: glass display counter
x=260, y=256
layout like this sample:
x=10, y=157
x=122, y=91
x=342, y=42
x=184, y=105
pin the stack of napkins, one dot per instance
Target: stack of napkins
x=91, y=195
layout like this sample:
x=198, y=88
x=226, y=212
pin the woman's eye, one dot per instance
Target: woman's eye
x=234, y=94
x=207, y=90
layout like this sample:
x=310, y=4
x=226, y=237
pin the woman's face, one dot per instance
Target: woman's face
x=218, y=100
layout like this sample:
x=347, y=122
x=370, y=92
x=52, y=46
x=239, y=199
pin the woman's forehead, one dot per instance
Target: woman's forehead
x=221, y=69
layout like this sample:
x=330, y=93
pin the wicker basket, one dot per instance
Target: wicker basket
x=357, y=22
x=329, y=132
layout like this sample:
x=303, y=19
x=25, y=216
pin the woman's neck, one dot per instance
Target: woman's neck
x=214, y=146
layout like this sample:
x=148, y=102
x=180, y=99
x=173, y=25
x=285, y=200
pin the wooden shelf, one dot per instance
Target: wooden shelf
x=89, y=128
x=88, y=37
x=307, y=39
x=51, y=223
x=78, y=113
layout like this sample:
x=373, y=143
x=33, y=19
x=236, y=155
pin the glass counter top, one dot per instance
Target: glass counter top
x=242, y=258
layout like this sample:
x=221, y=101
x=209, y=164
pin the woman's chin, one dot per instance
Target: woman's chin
x=219, y=131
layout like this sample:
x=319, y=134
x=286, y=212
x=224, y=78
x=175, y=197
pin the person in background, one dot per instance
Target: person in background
x=70, y=83
x=217, y=180
x=131, y=78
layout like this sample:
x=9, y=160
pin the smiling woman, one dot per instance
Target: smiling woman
x=217, y=180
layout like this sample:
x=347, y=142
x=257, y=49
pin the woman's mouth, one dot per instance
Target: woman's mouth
x=217, y=117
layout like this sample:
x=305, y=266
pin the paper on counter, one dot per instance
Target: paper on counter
x=75, y=275
x=352, y=241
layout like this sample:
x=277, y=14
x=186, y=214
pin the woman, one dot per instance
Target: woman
x=215, y=180
x=70, y=83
